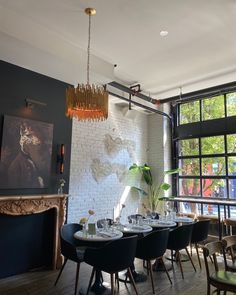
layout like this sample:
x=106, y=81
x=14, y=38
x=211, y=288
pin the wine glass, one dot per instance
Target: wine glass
x=153, y=214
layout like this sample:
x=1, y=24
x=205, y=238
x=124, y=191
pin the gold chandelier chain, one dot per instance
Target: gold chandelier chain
x=88, y=50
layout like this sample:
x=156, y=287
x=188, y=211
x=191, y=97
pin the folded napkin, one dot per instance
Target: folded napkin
x=106, y=234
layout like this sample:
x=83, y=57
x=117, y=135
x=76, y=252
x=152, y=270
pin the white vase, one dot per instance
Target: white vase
x=60, y=190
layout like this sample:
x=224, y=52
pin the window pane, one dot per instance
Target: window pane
x=231, y=143
x=213, y=108
x=189, y=147
x=210, y=209
x=214, y=188
x=213, y=145
x=232, y=165
x=232, y=212
x=190, y=112
x=213, y=166
x=189, y=167
x=232, y=189
x=231, y=104
x=189, y=187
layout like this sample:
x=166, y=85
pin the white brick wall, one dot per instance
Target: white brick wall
x=87, y=144
x=146, y=131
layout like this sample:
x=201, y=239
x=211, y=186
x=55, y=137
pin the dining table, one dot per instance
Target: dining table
x=160, y=224
x=98, y=239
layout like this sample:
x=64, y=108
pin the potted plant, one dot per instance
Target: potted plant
x=155, y=191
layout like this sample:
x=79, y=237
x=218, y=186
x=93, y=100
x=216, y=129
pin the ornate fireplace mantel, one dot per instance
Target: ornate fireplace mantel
x=23, y=205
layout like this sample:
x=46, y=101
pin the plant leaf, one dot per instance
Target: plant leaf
x=140, y=190
x=172, y=171
x=165, y=186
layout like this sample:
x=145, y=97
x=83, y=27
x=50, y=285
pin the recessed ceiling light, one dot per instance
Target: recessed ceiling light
x=164, y=33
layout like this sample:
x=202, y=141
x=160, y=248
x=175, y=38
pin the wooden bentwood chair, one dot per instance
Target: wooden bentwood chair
x=221, y=279
x=229, y=244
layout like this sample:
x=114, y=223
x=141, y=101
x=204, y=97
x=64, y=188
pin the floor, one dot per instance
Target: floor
x=42, y=282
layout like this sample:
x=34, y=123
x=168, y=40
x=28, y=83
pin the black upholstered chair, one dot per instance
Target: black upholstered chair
x=100, y=222
x=112, y=258
x=229, y=244
x=179, y=238
x=70, y=250
x=199, y=235
x=153, y=246
x=221, y=279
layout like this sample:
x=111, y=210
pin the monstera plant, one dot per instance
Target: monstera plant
x=153, y=191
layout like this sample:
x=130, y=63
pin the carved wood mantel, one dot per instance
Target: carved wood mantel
x=24, y=205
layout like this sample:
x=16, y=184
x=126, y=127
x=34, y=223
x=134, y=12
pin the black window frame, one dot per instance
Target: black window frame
x=214, y=127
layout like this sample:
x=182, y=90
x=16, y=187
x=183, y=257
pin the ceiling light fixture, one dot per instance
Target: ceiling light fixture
x=164, y=33
x=87, y=102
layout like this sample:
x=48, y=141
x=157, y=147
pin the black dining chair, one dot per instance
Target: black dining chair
x=199, y=235
x=70, y=249
x=153, y=246
x=113, y=257
x=221, y=279
x=179, y=238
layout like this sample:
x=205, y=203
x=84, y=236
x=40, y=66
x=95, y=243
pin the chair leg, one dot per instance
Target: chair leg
x=149, y=265
x=161, y=258
x=132, y=280
x=112, y=284
x=208, y=289
x=90, y=280
x=117, y=280
x=172, y=259
x=198, y=257
x=61, y=271
x=77, y=277
x=178, y=258
x=190, y=258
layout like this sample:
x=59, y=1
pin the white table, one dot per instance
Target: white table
x=100, y=236
x=135, y=229
x=156, y=223
x=183, y=219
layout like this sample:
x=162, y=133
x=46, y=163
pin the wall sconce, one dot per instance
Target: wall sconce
x=30, y=103
x=60, y=158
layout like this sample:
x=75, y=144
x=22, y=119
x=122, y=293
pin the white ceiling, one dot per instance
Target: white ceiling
x=50, y=36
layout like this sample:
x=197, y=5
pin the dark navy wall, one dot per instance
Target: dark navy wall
x=18, y=84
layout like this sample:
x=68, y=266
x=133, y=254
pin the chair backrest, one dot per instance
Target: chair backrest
x=200, y=231
x=100, y=222
x=213, y=249
x=179, y=238
x=153, y=245
x=114, y=256
x=68, y=242
x=229, y=244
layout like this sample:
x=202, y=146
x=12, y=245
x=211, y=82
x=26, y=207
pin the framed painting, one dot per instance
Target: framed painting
x=26, y=152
